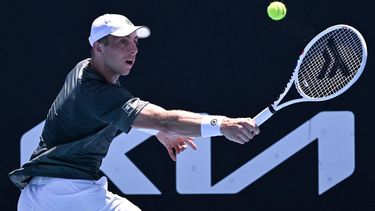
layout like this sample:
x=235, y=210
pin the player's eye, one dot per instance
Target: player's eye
x=124, y=42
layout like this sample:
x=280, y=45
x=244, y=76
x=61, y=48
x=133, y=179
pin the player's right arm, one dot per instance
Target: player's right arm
x=189, y=124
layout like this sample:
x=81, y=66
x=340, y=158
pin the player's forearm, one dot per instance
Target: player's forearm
x=189, y=124
x=177, y=122
x=182, y=123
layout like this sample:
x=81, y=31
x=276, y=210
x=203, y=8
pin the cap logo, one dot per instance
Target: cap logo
x=128, y=22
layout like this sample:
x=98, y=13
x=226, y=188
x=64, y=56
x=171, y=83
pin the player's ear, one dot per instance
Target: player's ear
x=97, y=47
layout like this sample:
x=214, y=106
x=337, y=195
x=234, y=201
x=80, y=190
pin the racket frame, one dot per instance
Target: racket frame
x=266, y=113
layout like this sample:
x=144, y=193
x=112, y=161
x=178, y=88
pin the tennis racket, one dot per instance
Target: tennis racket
x=329, y=64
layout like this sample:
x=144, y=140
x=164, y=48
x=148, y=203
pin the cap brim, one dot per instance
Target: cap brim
x=142, y=32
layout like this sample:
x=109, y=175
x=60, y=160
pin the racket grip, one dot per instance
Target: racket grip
x=263, y=115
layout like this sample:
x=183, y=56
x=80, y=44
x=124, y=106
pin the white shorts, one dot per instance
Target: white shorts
x=55, y=194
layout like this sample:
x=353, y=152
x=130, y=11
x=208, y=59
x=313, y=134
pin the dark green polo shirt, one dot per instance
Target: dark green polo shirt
x=80, y=126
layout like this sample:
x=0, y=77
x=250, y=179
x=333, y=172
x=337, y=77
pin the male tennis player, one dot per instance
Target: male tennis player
x=90, y=110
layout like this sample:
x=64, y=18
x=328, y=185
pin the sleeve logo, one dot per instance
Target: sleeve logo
x=130, y=106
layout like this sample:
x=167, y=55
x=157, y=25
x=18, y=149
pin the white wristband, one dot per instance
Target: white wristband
x=210, y=125
x=148, y=131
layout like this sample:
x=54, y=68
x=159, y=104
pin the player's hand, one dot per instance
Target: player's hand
x=175, y=144
x=239, y=130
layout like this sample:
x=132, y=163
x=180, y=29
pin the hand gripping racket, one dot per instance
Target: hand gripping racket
x=327, y=67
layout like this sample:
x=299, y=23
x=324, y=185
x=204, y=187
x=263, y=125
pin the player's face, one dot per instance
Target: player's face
x=120, y=53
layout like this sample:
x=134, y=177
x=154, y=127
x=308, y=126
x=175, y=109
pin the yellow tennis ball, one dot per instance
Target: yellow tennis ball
x=276, y=10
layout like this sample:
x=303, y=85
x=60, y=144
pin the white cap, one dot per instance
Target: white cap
x=116, y=25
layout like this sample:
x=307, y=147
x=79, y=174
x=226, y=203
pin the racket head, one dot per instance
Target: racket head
x=330, y=63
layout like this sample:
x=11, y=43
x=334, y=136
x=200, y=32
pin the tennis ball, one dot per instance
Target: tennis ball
x=276, y=10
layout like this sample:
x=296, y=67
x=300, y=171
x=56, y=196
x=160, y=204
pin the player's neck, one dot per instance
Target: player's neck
x=109, y=76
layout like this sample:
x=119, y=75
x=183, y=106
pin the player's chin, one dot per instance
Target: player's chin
x=125, y=71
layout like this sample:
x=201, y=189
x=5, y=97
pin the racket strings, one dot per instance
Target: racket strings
x=330, y=64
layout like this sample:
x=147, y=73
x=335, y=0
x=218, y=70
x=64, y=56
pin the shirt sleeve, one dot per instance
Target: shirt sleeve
x=113, y=104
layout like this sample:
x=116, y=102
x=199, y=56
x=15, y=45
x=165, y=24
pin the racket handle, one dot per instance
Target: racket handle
x=264, y=115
